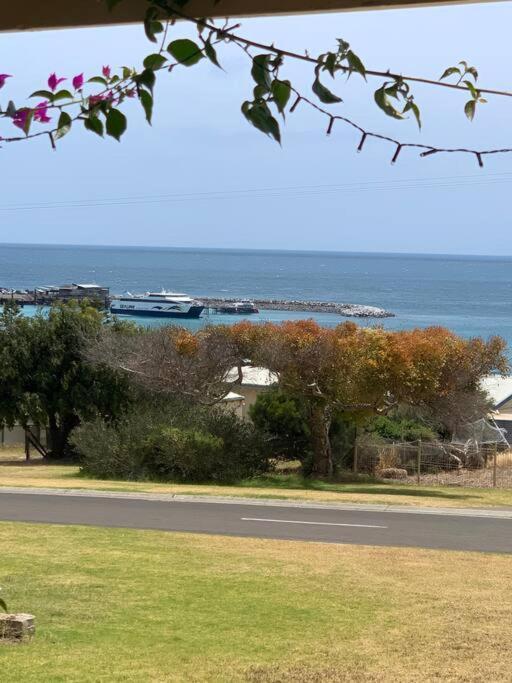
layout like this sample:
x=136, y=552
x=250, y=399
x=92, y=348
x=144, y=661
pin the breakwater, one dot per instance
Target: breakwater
x=347, y=310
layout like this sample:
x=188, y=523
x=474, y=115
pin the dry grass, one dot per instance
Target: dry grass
x=123, y=605
x=15, y=472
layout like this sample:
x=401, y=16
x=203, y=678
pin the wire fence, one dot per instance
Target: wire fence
x=436, y=463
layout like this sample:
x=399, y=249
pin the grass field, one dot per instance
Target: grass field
x=123, y=605
x=14, y=472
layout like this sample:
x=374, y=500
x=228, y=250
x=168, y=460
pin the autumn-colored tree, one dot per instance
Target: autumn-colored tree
x=355, y=370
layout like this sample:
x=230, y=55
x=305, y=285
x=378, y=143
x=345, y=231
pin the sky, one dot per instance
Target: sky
x=202, y=177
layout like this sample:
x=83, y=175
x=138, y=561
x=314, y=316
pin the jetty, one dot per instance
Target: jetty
x=46, y=296
x=343, y=309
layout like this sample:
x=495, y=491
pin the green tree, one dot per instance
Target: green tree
x=45, y=377
x=284, y=419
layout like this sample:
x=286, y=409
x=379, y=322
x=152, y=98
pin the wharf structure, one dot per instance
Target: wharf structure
x=46, y=296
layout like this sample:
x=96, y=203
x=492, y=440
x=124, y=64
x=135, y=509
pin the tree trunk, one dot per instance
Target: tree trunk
x=320, y=424
x=58, y=434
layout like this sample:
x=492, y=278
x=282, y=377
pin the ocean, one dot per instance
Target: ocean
x=472, y=295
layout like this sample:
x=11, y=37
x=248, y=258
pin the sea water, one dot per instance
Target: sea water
x=472, y=295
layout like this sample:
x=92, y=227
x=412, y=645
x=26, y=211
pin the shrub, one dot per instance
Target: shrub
x=283, y=419
x=400, y=429
x=198, y=445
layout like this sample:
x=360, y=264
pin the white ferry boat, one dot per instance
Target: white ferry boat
x=157, y=304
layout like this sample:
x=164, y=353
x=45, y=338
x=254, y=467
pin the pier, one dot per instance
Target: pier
x=343, y=309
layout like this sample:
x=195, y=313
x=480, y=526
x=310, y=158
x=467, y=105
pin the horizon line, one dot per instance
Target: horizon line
x=252, y=249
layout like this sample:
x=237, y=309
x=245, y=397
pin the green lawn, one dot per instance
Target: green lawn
x=125, y=605
x=14, y=472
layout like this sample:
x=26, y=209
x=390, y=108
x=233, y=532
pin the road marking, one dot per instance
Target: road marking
x=298, y=521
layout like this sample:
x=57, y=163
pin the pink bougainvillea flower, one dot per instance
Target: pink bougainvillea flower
x=41, y=113
x=106, y=71
x=78, y=82
x=130, y=92
x=3, y=78
x=53, y=81
x=20, y=118
x=96, y=99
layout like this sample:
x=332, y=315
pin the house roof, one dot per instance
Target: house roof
x=232, y=396
x=499, y=388
x=253, y=376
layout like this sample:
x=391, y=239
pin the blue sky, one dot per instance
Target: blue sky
x=200, y=143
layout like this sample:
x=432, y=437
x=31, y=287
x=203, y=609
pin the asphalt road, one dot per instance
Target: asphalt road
x=382, y=528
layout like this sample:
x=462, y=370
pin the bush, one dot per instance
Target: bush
x=400, y=429
x=199, y=445
x=283, y=419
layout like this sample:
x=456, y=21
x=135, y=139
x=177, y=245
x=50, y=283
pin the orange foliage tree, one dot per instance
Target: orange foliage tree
x=352, y=369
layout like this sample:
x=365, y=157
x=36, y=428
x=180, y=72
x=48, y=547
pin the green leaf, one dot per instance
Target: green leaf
x=356, y=64
x=112, y=3
x=146, y=99
x=98, y=79
x=324, y=94
x=185, y=51
x=94, y=124
x=261, y=70
x=3, y=605
x=62, y=95
x=260, y=116
x=28, y=122
x=450, y=71
x=330, y=63
x=154, y=61
x=412, y=106
x=383, y=103
x=63, y=126
x=211, y=53
x=472, y=89
x=470, y=108
x=147, y=78
x=43, y=93
x=473, y=72
x=116, y=123
x=281, y=91
x=152, y=27
x=259, y=92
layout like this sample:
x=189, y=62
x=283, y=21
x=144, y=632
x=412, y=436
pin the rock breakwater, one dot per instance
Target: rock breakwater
x=347, y=310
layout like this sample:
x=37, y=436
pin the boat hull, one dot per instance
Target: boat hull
x=192, y=312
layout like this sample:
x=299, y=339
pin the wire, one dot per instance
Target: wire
x=291, y=192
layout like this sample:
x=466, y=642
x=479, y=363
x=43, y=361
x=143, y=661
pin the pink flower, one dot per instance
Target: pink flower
x=53, y=81
x=130, y=92
x=106, y=71
x=96, y=99
x=20, y=118
x=78, y=82
x=41, y=113
x=3, y=78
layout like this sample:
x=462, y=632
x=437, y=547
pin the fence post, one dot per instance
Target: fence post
x=418, y=464
x=494, y=465
x=356, y=453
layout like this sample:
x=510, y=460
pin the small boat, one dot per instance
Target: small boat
x=157, y=304
x=244, y=307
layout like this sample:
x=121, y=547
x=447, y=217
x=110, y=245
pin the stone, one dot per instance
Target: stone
x=17, y=626
x=392, y=473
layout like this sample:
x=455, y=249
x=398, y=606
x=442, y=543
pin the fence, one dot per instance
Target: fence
x=436, y=463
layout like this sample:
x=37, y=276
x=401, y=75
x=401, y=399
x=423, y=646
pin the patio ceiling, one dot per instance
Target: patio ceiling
x=42, y=14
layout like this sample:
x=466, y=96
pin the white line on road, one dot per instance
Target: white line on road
x=297, y=521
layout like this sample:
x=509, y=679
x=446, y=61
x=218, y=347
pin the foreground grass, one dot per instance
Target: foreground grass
x=124, y=605
x=14, y=472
